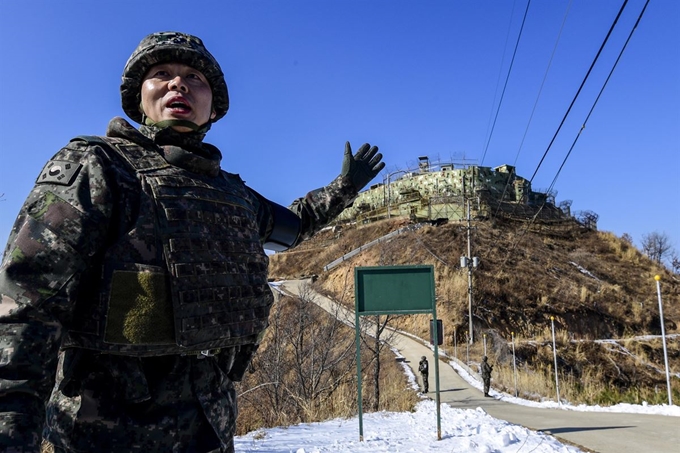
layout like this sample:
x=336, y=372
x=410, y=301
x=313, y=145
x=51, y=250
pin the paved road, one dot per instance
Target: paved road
x=601, y=432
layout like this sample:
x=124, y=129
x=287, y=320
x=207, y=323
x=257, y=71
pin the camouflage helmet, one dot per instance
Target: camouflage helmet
x=170, y=46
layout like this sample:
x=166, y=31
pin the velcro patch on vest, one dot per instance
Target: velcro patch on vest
x=59, y=172
x=140, y=310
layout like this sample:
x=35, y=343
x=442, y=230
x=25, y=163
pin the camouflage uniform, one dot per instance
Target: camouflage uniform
x=61, y=374
x=486, y=375
x=423, y=367
x=53, y=263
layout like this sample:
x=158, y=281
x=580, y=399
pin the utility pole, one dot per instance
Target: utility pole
x=470, y=262
x=469, y=254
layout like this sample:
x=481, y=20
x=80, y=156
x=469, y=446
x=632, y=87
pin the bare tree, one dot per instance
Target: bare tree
x=323, y=356
x=657, y=246
x=675, y=263
x=376, y=343
x=381, y=338
x=305, y=358
x=266, y=393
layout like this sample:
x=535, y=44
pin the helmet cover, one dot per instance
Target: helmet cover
x=171, y=47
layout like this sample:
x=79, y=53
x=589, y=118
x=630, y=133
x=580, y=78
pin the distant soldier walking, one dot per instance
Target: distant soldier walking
x=424, y=369
x=486, y=375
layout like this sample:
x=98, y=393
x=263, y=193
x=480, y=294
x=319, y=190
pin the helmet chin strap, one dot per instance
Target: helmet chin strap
x=180, y=123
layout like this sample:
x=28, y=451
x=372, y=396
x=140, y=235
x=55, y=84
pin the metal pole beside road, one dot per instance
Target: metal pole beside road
x=455, y=344
x=557, y=382
x=467, y=350
x=514, y=362
x=663, y=338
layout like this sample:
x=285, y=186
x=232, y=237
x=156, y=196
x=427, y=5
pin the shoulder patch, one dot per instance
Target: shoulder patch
x=59, y=172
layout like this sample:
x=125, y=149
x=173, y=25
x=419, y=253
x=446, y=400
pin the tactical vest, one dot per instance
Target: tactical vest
x=190, y=275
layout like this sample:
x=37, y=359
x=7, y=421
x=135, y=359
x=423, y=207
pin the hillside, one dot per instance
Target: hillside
x=595, y=285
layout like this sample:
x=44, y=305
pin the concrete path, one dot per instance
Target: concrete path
x=601, y=432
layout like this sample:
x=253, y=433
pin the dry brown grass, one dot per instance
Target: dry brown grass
x=589, y=372
x=594, y=284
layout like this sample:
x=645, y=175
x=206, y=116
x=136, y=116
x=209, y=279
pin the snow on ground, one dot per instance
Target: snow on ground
x=462, y=431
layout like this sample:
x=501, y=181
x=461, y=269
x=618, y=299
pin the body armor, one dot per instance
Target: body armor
x=197, y=277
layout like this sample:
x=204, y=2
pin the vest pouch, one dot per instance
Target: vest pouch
x=140, y=308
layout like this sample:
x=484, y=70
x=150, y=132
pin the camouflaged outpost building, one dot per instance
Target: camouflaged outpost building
x=435, y=191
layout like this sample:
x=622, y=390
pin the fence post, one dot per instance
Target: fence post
x=455, y=344
x=663, y=338
x=514, y=362
x=557, y=382
x=467, y=350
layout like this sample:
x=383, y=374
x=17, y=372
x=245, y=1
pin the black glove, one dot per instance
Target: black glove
x=363, y=166
x=240, y=363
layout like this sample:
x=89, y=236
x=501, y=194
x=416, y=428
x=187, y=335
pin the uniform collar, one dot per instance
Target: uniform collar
x=185, y=150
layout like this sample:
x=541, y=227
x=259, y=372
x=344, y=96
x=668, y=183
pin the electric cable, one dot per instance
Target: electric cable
x=625, y=45
x=580, y=88
x=538, y=97
x=507, y=78
x=545, y=77
x=630, y=35
x=500, y=68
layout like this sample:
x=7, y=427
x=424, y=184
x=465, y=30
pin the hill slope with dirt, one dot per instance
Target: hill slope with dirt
x=594, y=285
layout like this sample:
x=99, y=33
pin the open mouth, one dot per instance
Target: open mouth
x=178, y=104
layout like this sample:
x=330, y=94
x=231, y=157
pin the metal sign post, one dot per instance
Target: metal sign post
x=390, y=290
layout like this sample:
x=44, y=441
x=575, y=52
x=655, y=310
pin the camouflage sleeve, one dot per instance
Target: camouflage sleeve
x=319, y=207
x=60, y=227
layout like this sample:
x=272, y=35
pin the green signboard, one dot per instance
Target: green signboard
x=383, y=290
x=387, y=290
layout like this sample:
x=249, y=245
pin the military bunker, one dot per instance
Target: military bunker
x=438, y=191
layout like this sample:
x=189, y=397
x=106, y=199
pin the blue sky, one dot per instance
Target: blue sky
x=413, y=77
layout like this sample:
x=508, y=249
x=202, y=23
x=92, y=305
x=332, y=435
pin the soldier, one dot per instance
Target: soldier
x=134, y=283
x=424, y=372
x=486, y=375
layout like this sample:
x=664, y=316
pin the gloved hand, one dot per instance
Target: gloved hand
x=237, y=369
x=363, y=166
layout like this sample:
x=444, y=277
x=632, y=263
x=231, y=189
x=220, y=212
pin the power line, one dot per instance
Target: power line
x=507, y=78
x=538, y=96
x=545, y=77
x=630, y=35
x=584, y=123
x=500, y=68
x=580, y=88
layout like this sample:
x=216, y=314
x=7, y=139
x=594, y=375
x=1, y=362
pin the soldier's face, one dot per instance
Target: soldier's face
x=175, y=91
